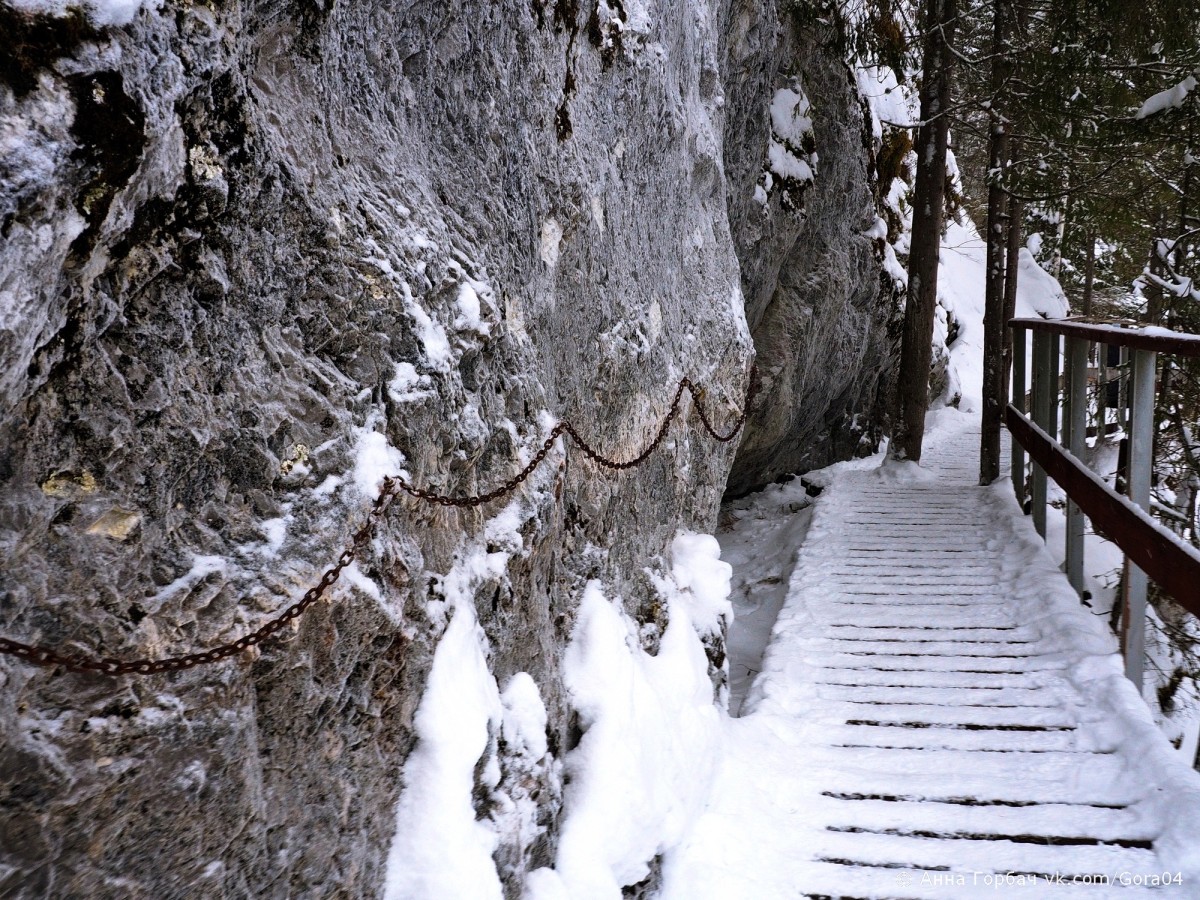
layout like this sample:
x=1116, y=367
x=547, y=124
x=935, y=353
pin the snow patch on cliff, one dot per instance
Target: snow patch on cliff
x=202, y=567
x=407, y=385
x=438, y=354
x=374, y=460
x=790, y=153
x=623, y=25
x=35, y=143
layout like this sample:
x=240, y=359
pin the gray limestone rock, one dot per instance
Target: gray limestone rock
x=243, y=244
x=818, y=302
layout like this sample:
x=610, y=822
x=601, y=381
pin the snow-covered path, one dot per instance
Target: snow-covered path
x=938, y=716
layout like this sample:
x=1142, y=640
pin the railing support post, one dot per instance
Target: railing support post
x=1076, y=434
x=1055, y=428
x=1141, y=461
x=1018, y=400
x=1041, y=416
x=1123, y=389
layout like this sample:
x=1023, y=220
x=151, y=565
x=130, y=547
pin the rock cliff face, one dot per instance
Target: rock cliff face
x=255, y=255
x=817, y=300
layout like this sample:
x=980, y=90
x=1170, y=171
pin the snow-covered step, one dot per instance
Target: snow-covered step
x=865, y=588
x=967, y=571
x=865, y=736
x=878, y=612
x=970, y=530
x=916, y=634
x=980, y=789
x=978, y=613
x=896, y=562
x=935, y=663
x=1045, y=819
x=898, y=882
x=971, y=718
x=997, y=855
x=989, y=697
x=952, y=545
x=939, y=648
x=889, y=650
x=956, y=658
x=908, y=580
x=1037, y=680
x=1101, y=770
x=900, y=558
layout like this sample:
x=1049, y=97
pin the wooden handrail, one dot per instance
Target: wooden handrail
x=1151, y=551
x=1138, y=337
x=1174, y=565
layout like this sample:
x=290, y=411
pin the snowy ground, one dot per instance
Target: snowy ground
x=936, y=710
x=759, y=537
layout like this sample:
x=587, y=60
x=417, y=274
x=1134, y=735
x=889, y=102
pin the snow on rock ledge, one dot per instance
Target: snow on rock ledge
x=98, y=12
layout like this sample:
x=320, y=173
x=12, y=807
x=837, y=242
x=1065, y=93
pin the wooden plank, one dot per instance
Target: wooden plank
x=1146, y=337
x=1175, y=566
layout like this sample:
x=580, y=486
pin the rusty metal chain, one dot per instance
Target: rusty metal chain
x=73, y=662
x=565, y=427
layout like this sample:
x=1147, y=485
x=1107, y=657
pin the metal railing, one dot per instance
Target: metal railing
x=1151, y=550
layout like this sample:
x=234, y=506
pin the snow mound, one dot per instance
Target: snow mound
x=1038, y=292
x=440, y=848
x=703, y=580
x=651, y=743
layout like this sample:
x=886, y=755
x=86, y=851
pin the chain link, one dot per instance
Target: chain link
x=74, y=662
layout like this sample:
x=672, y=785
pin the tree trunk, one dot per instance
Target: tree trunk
x=928, y=208
x=1016, y=217
x=997, y=247
x=1098, y=352
x=1089, y=274
x=1155, y=295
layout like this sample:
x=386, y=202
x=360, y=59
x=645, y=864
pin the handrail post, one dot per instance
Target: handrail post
x=1141, y=461
x=1018, y=401
x=1123, y=389
x=1041, y=417
x=1076, y=422
x=1054, y=429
